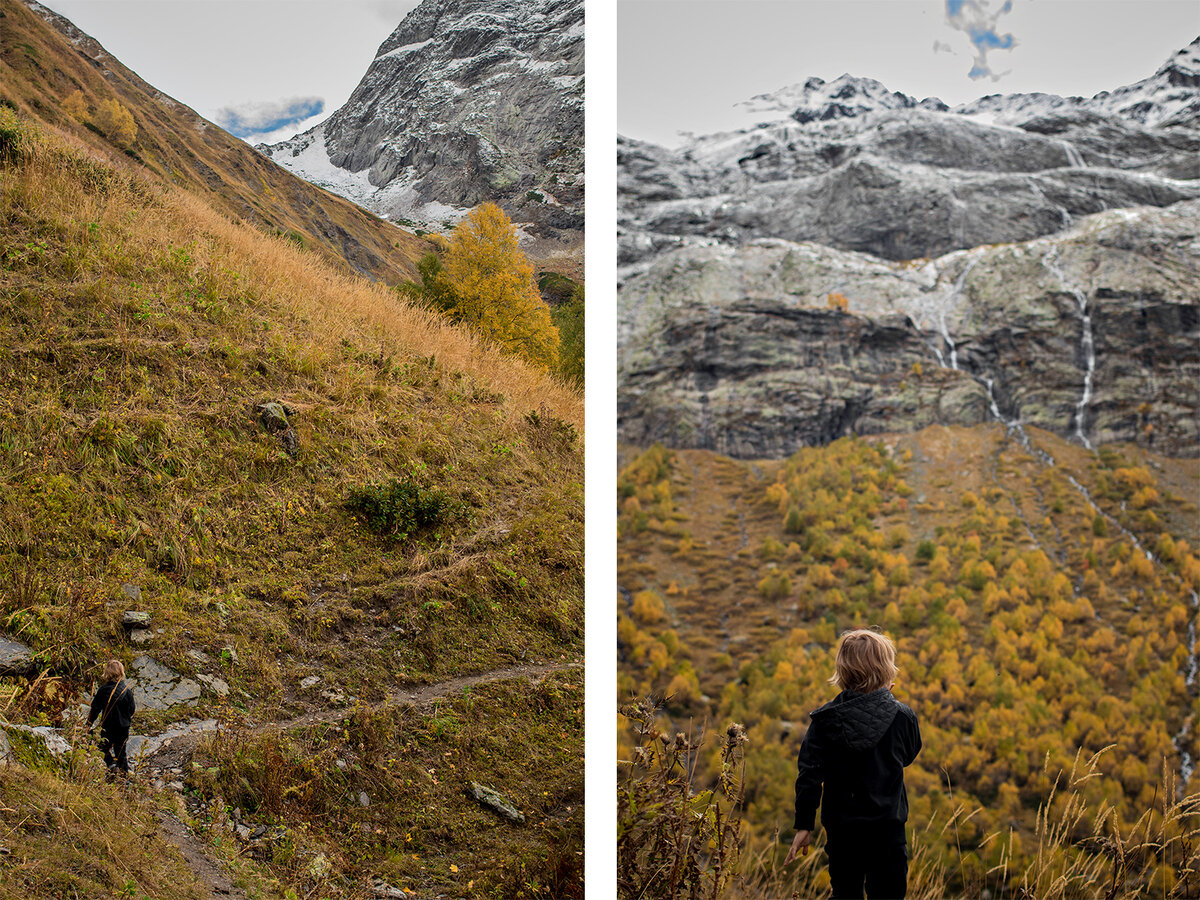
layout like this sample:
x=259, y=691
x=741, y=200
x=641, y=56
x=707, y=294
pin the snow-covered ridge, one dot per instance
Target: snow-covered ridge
x=852, y=165
x=466, y=101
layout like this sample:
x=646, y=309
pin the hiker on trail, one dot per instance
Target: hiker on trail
x=857, y=747
x=113, y=705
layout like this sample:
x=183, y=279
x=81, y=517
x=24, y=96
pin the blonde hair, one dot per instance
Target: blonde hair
x=866, y=661
x=113, y=670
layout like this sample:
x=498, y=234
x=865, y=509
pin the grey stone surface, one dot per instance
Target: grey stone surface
x=494, y=801
x=56, y=745
x=15, y=658
x=852, y=165
x=737, y=349
x=157, y=687
x=1024, y=258
x=216, y=684
x=141, y=746
x=466, y=102
x=135, y=619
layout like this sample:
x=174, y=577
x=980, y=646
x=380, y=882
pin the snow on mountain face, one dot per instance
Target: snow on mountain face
x=855, y=166
x=1168, y=98
x=466, y=101
x=1027, y=259
x=819, y=101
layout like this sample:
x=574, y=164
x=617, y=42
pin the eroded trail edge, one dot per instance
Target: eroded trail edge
x=170, y=747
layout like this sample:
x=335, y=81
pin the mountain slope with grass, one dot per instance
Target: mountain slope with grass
x=45, y=60
x=353, y=531
x=1043, y=599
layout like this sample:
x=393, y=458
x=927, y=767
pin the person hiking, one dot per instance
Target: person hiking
x=856, y=749
x=113, y=705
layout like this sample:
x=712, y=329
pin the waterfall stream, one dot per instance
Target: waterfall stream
x=1062, y=210
x=1187, y=764
x=1086, y=341
x=1074, y=160
x=1015, y=428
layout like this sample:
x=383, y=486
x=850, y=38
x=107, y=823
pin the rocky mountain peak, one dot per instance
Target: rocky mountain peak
x=861, y=262
x=466, y=101
x=816, y=100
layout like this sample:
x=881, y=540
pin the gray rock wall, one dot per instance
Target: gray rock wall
x=738, y=350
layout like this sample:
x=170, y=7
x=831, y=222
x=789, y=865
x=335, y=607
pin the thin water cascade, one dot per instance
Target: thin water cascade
x=1187, y=765
x=1194, y=666
x=1062, y=210
x=1087, y=343
x=1074, y=160
x=955, y=293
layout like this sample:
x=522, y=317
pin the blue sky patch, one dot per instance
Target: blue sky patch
x=261, y=117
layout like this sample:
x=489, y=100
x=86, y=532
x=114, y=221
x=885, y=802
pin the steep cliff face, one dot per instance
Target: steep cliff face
x=854, y=166
x=466, y=101
x=1091, y=334
x=860, y=261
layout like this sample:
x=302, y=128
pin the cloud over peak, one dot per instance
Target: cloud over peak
x=977, y=19
x=259, y=117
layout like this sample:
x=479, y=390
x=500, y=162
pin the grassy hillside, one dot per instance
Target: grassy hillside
x=44, y=59
x=420, y=521
x=1043, y=602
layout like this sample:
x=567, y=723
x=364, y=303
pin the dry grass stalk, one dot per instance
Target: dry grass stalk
x=674, y=842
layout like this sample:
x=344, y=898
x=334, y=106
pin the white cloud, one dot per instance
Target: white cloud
x=257, y=117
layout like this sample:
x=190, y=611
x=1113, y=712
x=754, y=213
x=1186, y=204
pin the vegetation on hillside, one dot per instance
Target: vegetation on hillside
x=75, y=86
x=484, y=281
x=1043, y=614
x=423, y=520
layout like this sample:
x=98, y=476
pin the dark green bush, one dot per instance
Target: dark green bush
x=401, y=509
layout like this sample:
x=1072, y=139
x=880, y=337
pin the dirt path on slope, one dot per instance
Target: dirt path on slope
x=209, y=875
x=175, y=751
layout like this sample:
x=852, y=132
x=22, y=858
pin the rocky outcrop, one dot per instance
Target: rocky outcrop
x=756, y=350
x=15, y=658
x=854, y=166
x=466, y=101
x=157, y=687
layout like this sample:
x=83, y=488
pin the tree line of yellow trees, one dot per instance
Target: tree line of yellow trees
x=1023, y=638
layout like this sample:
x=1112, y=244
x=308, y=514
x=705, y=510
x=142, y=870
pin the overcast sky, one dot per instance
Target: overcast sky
x=683, y=64
x=261, y=69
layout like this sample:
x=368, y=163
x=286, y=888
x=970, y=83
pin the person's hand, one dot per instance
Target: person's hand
x=799, y=846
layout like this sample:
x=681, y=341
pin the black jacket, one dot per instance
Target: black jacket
x=857, y=747
x=117, y=714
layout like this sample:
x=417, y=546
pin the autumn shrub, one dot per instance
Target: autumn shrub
x=648, y=607
x=75, y=106
x=493, y=283
x=116, y=121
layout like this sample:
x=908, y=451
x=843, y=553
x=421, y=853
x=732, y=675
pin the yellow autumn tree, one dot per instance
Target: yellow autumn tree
x=494, y=286
x=75, y=106
x=116, y=122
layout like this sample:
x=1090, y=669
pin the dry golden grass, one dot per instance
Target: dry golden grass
x=1083, y=851
x=139, y=330
x=141, y=221
x=40, y=68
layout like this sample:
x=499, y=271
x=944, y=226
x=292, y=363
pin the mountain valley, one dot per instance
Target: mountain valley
x=335, y=540
x=884, y=363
